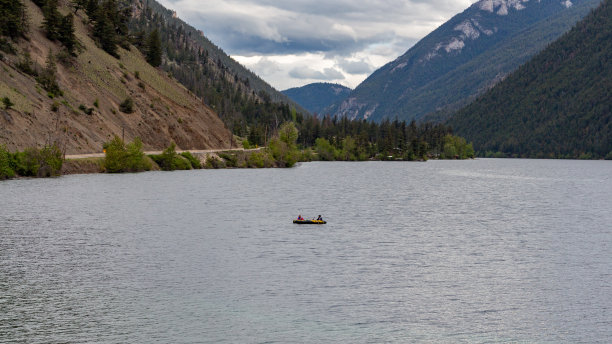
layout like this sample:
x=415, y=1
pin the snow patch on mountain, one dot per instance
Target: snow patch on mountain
x=454, y=44
x=482, y=29
x=399, y=66
x=501, y=6
x=469, y=31
x=471, y=28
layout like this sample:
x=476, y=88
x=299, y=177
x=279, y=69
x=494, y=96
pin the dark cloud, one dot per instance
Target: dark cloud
x=350, y=39
x=338, y=26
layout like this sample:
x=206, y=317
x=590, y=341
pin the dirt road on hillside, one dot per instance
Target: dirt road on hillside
x=193, y=151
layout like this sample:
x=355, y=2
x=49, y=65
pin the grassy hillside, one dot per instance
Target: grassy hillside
x=93, y=85
x=557, y=105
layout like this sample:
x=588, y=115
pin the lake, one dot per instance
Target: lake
x=488, y=250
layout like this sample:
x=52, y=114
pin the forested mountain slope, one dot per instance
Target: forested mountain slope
x=233, y=91
x=462, y=58
x=318, y=96
x=557, y=105
x=60, y=83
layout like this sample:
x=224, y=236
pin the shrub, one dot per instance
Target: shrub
x=7, y=103
x=33, y=162
x=47, y=79
x=213, y=162
x=5, y=164
x=85, y=109
x=246, y=144
x=7, y=47
x=169, y=160
x=120, y=157
x=55, y=106
x=96, y=103
x=325, y=150
x=230, y=159
x=27, y=65
x=50, y=161
x=256, y=159
x=195, y=162
x=127, y=106
x=26, y=163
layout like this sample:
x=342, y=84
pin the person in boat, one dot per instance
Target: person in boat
x=300, y=218
x=319, y=218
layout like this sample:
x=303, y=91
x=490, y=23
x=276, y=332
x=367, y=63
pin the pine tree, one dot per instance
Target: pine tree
x=91, y=8
x=104, y=29
x=79, y=4
x=13, y=20
x=47, y=78
x=66, y=33
x=52, y=19
x=154, y=49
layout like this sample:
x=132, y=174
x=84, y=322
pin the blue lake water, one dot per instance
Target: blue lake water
x=444, y=251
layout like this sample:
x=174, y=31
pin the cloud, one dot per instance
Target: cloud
x=351, y=37
x=355, y=67
x=305, y=72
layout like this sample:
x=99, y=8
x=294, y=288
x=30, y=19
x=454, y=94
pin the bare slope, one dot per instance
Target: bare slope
x=164, y=110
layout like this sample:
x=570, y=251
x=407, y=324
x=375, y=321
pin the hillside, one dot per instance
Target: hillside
x=558, y=105
x=94, y=84
x=190, y=56
x=317, y=97
x=462, y=58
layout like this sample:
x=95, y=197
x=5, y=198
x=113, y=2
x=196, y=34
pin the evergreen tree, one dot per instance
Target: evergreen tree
x=104, y=29
x=154, y=49
x=91, y=8
x=111, y=27
x=13, y=20
x=66, y=33
x=79, y=5
x=52, y=19
x=47, y=78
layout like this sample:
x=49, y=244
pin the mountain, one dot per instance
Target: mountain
x=246, y=104
x=317, y=97
x=558, y=105
x=82, y=100
x=190, y=56
x=462, y=58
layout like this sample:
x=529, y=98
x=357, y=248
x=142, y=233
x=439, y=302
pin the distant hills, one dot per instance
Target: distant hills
x=317, y=97
x=558, y=105
x=462, y=59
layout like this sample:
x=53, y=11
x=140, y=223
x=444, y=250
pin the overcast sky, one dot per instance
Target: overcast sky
x=296, y=42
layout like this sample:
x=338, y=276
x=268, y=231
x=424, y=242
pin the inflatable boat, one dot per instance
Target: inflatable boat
x=309, y=222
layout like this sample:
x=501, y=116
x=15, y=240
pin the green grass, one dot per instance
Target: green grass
x=22, y=103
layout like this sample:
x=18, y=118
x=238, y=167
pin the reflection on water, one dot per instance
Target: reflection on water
x=443, y=251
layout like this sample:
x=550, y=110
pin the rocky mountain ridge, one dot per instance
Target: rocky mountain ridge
x=418, y=83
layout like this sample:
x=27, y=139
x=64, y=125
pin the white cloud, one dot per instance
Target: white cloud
x=337, y=40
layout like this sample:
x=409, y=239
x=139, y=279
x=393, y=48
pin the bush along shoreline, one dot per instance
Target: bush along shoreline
x=32, y=162
x=281, y=152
